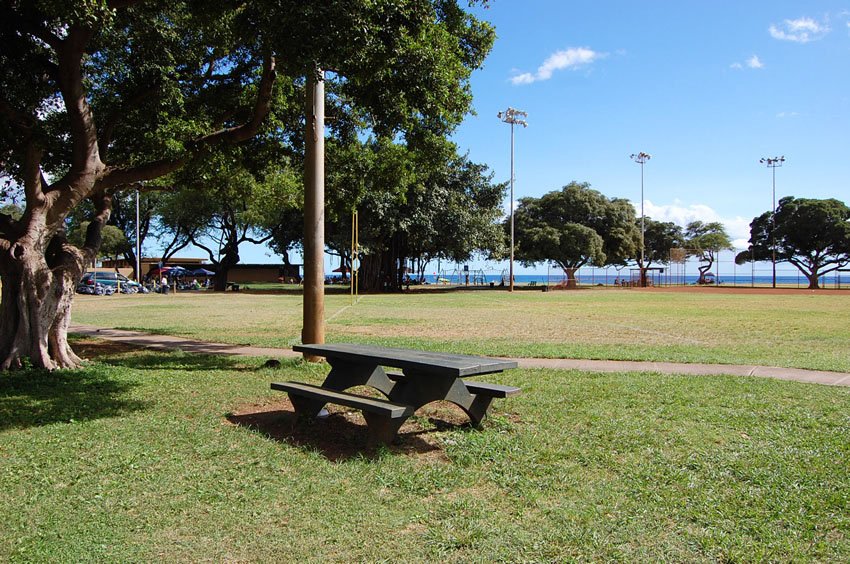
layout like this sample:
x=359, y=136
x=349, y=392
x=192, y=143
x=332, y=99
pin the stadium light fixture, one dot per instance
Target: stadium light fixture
x=773, y=163
x=513, y=117
x=641, y=158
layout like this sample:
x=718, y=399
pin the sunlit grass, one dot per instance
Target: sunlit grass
x=133, y=459
x=802, y=330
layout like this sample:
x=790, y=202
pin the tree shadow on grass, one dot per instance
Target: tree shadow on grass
x=156, y=360
x=33, y=398
x=343, y=435
x=140, y=358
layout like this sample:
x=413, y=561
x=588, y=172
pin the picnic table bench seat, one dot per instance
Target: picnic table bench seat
x=383, y=418
x=477, y=388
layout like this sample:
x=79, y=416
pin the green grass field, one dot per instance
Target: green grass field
x=135, y=459
x=150, y=456
x=799, y=330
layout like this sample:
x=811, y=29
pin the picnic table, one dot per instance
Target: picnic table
x=425, y=377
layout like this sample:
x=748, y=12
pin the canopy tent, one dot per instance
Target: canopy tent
x=179, y=271
x=159, y=271
x=202, y=272
x=170, y=271
x=343, y=269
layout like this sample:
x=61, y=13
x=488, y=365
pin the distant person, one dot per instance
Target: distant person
x=164, y=284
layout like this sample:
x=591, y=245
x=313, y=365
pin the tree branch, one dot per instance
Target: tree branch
x=174, y=246
x=34, y=181
x=94, y=233
x=209, y=251
x=119, y=176
x=70, y=51
x=265, y=239
x=836, y=266
x=262, y=106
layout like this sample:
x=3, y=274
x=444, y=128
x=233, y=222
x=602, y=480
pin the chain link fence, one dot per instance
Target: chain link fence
x=683, y=269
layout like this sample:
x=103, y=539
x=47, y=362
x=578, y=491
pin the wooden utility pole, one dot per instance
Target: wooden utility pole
x=313, y=331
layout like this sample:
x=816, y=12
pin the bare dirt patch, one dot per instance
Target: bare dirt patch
x=343, y=433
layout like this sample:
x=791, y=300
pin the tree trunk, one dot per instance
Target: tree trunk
x=703, y=269
x=130, y=257
x=374, y=275
x=814, y=280
x=222, y=269
x=572, y=283
x=35, y=310
x=381, y=272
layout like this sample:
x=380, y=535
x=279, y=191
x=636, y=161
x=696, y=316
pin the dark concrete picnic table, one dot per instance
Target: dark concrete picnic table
x=425, y=377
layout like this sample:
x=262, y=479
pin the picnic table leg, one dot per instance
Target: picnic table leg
x=477, y=410
x=344, y=375
x=306, y=408
x=419, y=391
x=382, y=429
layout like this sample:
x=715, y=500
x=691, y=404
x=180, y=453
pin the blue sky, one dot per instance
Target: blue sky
x=706, y=87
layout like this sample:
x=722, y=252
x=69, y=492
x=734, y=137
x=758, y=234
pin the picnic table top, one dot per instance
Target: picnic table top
x=457, y=365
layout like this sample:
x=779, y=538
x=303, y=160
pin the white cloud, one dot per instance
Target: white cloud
x=782, y=115
x=754, y=62
x=737, y=227
x=677, y=213
x=524, y=78
x=571, y=58
x=801, y=30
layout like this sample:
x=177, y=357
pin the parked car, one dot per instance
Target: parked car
x=95, y=288
x=110, y=280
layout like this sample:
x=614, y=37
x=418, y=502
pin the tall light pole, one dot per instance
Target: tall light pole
x=513, y=117
x=641, y=158
x=138, y=243
x=773, y=163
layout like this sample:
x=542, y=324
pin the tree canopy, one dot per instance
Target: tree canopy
x=575, y=226
x=96, y=96
x=417, y=203
x=704, y=240
x=659, y=238
x=811, y=234
x=226, y=201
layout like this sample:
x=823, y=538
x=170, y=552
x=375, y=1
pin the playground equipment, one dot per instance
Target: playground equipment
x=463, y=277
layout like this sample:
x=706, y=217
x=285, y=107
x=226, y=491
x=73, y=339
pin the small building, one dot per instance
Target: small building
x=237, y=274
x=243, y=273
x=149, y=263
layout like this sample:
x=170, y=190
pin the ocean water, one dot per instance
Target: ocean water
x=600, y=278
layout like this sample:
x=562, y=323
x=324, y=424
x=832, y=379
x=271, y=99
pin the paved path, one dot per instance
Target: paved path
x=167, y=342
